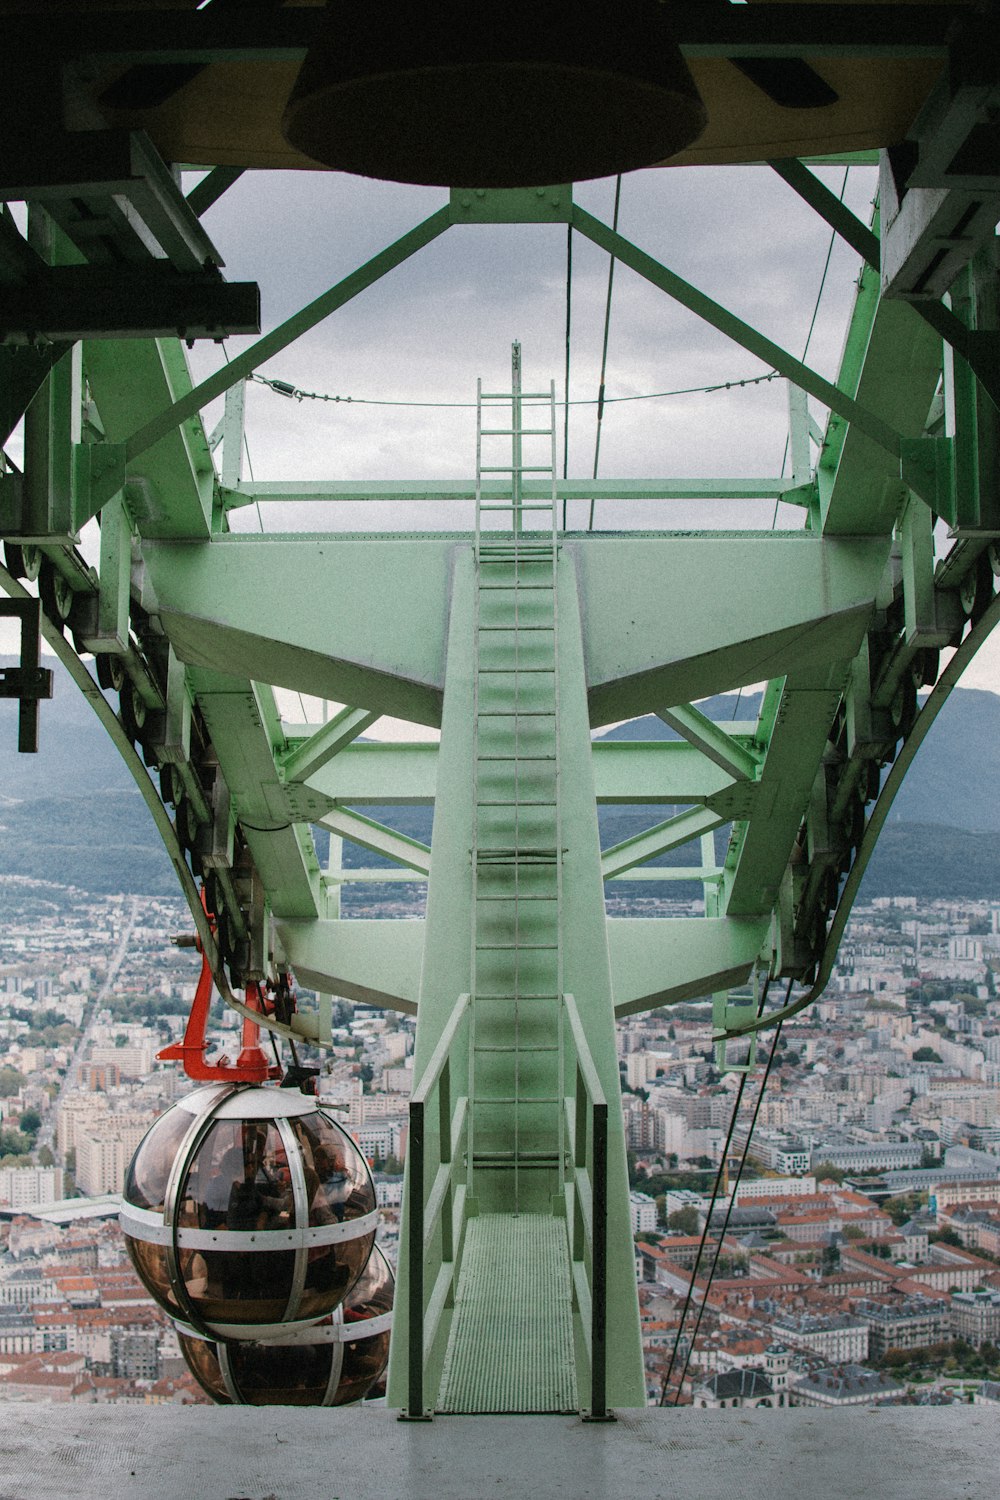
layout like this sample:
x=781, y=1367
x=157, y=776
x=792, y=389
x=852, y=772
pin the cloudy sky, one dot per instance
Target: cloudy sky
x=424, y=333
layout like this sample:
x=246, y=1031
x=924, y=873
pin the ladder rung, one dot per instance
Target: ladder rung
x=523, y=995
x=511, y=671
x=517, y=713
x=515, y=625
x=517, y=947
x=515, y=757
x=509, y=852
x=515, y=803
x=524, y=1098
x=515, y=431
x=509, y=395
x=518, y=508
x=517, y=896
x=525, y=1159
x=516, y=588
x=515, y=469
x=482, y=1047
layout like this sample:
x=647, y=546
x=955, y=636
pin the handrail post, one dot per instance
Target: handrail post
x=436, y=1075
x=415, y=1149
x=444, y=1156
x=599, y=1268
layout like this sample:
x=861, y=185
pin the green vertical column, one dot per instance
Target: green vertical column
x=587, y=976
x=448, y=930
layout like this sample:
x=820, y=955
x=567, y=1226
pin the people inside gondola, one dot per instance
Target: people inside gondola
x=257, y=1200
x=333, y=1186
x=214, y=1192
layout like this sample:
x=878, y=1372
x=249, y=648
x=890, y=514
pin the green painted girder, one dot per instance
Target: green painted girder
x=712, y=740
x=189, y=402
x=458, y=491
x=833, y=396
x=212, y=604
x=380, y=772
x=677, y=640
x=377, y=962
x=669, y=771
x=373, y=634
x=243, y=724
x=761, y=849
x=682, y=958
x=625, y=771
x=378, y=839
x=303, y=760
x=169, y=490
x=447, y=955
x=671, y=834
x=892, y=362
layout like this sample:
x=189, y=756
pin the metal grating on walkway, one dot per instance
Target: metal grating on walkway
x=511, y=1345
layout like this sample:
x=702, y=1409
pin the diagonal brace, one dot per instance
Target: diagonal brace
x=378, y=838
x=711, y=739
x=850, y=228
x=308, y=758
x=741, y=333
x=286, y=333
x=829, y=207
x=659, y=840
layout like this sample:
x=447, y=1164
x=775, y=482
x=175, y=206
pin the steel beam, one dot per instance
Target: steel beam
x=378, y=839
x=243, y=724
x=759, y=856
x=658, y=840
x=144, y=437
x=712, y=740
x=373, y=635
x=375, y=962
x=265, y=35
x=686, y=958
x=380, y=772
x=861, y=417
x=303, y=762
x=91, y=302
x=445, y=491
x=677, y=642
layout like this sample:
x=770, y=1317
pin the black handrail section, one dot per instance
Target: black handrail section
x=435, y=1206
x=587, y=1204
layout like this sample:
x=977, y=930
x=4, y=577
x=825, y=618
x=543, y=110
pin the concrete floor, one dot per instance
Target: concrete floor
x=202, y=1453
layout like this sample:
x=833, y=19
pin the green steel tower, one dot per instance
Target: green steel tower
x=513, y=634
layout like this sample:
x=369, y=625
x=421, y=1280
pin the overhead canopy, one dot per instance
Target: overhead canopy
x=211, y=87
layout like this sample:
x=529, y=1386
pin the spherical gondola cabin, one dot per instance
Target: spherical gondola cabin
x=248, y=1211
x=333, y=1363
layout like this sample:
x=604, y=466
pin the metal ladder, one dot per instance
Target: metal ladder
x=515, y=1088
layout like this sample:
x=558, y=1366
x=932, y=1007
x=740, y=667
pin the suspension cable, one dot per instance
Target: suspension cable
x=604, y=349
x=295, y=393
x=704, y=1236
x=732, y=1200
x=812, y=325
x=569, y=309
x=711, y=1207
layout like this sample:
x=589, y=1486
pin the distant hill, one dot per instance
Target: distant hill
x=72, y=814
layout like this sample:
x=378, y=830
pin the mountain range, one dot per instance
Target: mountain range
x=72, y=814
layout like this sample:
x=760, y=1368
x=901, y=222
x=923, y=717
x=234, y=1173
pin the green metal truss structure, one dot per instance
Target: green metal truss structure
x=516, y=1285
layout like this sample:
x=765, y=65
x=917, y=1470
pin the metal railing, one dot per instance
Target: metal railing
x=435, y=1203
x=586, y=1192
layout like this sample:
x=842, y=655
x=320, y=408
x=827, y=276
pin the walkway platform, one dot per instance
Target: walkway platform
x=285, y=1453
x=511, y=1345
